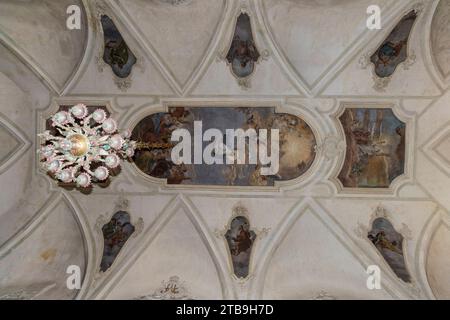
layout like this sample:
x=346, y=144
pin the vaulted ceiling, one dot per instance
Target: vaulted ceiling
x=312, y=233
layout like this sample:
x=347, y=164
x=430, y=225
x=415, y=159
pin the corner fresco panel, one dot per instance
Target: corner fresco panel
x=375, y=153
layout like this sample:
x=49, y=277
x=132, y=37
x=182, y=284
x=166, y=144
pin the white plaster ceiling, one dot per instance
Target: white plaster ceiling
x=179, y=34
x=44, y=257
x=37, y=31
x=313, y=35
x=307, y=226
x=198, y=268
x=314, y=244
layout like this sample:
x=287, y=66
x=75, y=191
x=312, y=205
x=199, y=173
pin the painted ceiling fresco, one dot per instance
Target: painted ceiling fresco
x=240, y=241
x=394, y=50
x=243, y=53
x=116, y=52
x=115, y=234
x=390, y=244
x=296, y=145
x=375, y=153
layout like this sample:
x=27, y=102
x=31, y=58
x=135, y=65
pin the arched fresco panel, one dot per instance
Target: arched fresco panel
x=296, y=146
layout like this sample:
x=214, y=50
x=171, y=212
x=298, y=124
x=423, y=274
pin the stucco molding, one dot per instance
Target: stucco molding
x=277, y=237
x=240, y=210
x=150, y=233
x=172, y=289
x=429, y=149
x=122, y=83
x=23, y=143
x=221, y=55
x=121, y=204
x=380, y=84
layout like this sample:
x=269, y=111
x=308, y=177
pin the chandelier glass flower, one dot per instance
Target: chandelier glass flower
x=84, y=147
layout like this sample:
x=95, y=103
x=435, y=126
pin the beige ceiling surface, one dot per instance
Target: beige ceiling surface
x=309, y=229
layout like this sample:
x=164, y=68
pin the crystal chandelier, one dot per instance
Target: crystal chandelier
x=84, y=147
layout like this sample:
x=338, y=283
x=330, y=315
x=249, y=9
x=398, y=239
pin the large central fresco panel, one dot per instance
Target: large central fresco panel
x=297, y=145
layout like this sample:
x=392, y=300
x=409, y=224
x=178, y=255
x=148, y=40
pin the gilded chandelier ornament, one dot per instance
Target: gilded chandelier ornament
x=85, y=146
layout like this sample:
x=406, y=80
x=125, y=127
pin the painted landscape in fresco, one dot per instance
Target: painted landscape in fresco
x=297, y=145
x=115, y=234
x=393, y=50
x=390, y=244
x=116, y=52
x=375, y=153
x=243, y=53
x=240, y=241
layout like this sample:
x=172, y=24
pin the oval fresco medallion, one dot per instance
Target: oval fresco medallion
x=227, y=146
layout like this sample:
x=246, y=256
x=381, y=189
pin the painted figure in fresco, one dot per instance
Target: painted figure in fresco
x=243, y=52
x=390, y=51
x=115, y=233
x=382, y=242
x=375, y=153
x=116, y=52
x=373, y=160
x=296, y=155
x=393, y=50
x=240, y=241
x=390, y=244
x=158, y=129
x=178, y=174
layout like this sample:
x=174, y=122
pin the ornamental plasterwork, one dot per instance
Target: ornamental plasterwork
x=173, y=289
x=122, y=83
x=323, y=295
x=382, y=81
x=380, y=84
x=399, y=267
x=122, y=204
x=240, y=210
x=20, y=146
x=331, y=147
x=240, y=274
x=262, y=54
